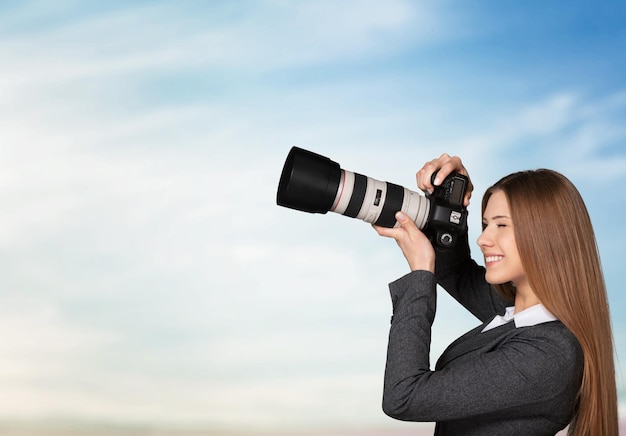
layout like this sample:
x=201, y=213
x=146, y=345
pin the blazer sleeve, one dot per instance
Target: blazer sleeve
x=464, y=280
x=532, y=368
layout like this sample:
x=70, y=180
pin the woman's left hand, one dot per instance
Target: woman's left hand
x=415, y=246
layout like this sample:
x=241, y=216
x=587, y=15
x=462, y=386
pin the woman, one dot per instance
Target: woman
x=543, y=357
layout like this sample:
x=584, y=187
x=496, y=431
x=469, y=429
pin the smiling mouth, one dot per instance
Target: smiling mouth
x=493, y=259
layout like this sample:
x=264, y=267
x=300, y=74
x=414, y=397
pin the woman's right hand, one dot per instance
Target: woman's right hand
x=415, y=246
x=446, y=164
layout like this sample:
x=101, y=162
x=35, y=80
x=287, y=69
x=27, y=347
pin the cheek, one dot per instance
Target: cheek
x=514, y=260
x=508, y=243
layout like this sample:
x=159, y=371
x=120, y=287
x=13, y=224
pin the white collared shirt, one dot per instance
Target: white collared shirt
x=534, y=315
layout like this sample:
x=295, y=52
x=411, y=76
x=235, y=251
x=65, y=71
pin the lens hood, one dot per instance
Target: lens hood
x=308, y=182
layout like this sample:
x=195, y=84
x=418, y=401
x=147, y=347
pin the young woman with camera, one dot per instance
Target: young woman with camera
x=542, y=359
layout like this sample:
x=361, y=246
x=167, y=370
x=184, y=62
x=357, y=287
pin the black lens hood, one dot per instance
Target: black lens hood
x=308, y=182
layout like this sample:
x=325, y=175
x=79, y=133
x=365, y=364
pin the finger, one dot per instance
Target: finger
x=449, y=165
x=424, y=175
x=468, y=193
x=387, y=231
x=443, y=166
x=406, y=229
x=405, y=222
x=407, y=232
x=415, y=247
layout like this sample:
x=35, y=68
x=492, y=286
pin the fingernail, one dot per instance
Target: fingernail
x=437, y=181
x=400, y=216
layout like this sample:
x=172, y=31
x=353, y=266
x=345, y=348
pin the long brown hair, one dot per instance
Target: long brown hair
x=558, y=250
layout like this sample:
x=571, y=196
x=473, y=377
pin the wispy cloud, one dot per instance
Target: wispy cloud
x=163, y=36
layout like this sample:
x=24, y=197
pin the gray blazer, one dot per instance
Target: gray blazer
x=506, y=381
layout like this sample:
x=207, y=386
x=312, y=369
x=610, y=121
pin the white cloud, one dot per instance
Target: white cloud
x=40, y=345
x=164, y=38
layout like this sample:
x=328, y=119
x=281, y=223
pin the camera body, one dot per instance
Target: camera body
x=448, y=216
x=313, y=183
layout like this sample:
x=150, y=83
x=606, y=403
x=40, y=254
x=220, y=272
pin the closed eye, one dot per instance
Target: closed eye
x=500, y=225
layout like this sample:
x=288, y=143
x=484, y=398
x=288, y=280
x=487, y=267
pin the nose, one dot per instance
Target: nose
x=484, y=240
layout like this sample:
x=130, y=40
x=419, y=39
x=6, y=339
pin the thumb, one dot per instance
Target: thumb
x=416, y=248
x=409, y=229
x=405, y=222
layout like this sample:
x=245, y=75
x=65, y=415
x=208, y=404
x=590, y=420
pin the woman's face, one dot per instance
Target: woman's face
x=497, y=242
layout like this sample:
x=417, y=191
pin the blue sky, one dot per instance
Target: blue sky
x=149, y=277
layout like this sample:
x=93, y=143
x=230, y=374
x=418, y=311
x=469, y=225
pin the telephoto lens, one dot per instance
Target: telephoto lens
x=313, y=183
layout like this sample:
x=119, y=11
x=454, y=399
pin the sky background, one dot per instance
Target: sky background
x=148, y=277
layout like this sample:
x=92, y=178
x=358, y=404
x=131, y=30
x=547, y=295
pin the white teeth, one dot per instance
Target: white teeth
x=493, y=258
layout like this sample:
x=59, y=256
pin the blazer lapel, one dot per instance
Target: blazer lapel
x=471, y=341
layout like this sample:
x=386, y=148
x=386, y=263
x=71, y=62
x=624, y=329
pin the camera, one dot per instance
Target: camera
x=313, y=183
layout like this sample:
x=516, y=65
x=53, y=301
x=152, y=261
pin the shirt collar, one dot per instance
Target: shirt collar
x=534, y=315
x=531, y=316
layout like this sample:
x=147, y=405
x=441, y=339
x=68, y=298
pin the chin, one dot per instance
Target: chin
x=495, y=280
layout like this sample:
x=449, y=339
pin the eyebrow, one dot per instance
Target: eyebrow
x=498, y=217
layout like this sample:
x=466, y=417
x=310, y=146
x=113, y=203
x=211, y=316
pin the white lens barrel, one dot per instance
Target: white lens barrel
x=417, y=207
x=365, y=198
x=375, y=197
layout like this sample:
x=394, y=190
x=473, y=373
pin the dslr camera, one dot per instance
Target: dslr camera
x=313, y=183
